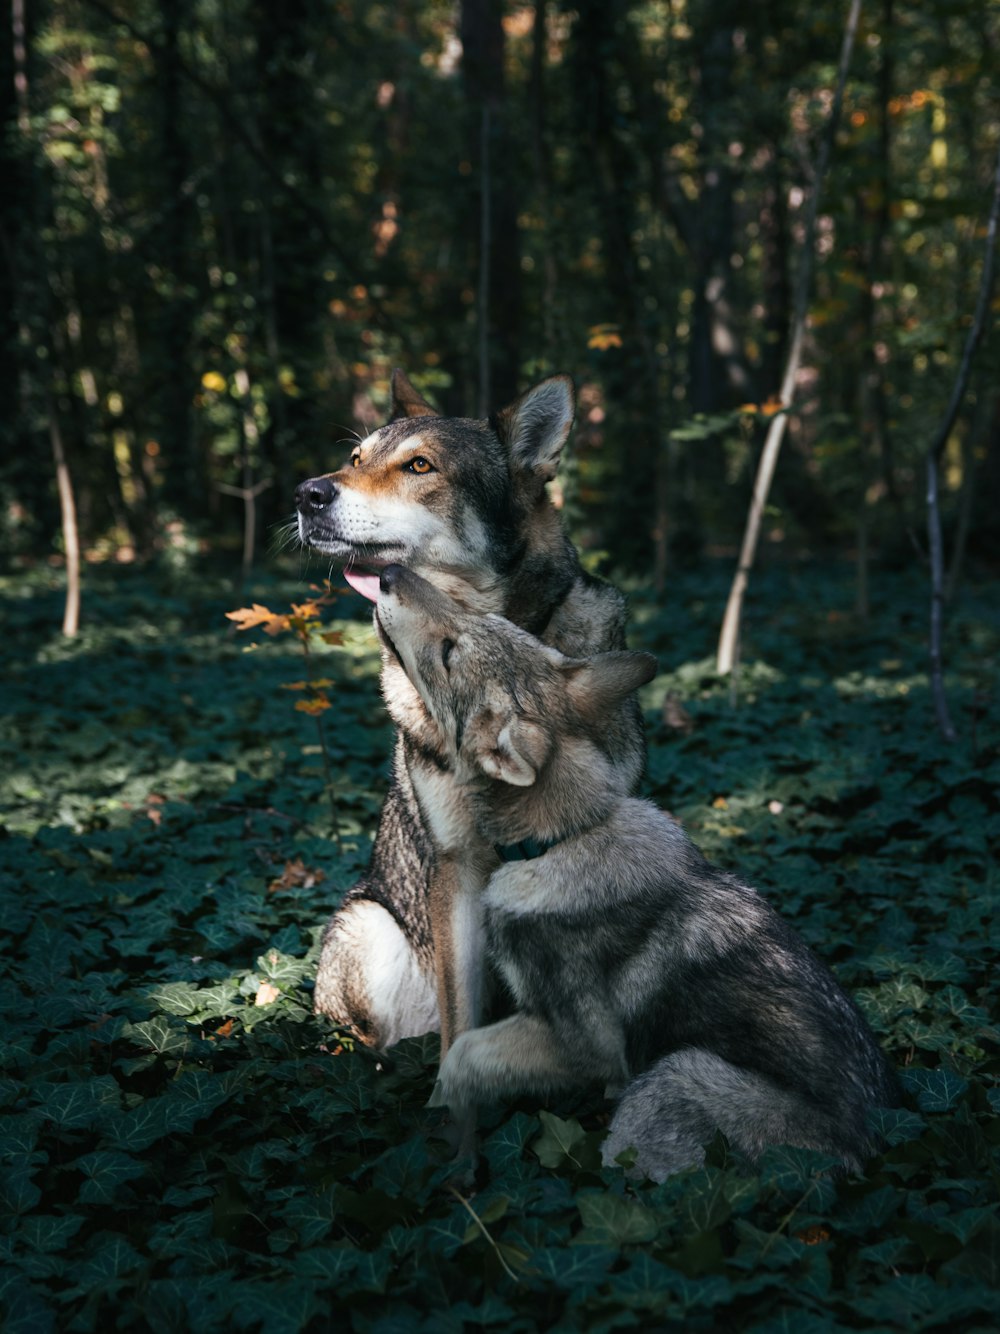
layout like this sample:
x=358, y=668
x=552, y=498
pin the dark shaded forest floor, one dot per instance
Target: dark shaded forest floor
x=185, y=1147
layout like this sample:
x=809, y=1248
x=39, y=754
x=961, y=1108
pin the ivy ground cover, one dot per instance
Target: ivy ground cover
x=183, y=1146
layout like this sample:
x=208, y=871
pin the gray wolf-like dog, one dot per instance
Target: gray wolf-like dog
x=631, y=960
x=463, y=503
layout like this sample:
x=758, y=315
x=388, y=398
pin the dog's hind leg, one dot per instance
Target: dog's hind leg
x=669, y=1113
x=370, y=977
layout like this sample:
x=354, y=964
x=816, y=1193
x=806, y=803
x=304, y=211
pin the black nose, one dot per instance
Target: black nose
x=315, y=494
x=390, y=577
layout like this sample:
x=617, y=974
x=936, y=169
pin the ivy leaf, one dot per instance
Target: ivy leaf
x=565, y=1142
x=105, y=1171
x=897, y=1125
x=936, y=1090
x=140, y=1126
x=179, y=998
x=872, y=1211
x=158, y=1035
x=281, y=969
x=646, y=1283
x=608, y=1220
x=504, y=1149
x=912, y=1300
x=47, y=1232
x=446, y=1235
x=111, y=1257
x=18, y=1192
x=702, y=1292
x=578, y=1269
x=312, y=1216
x=280, y=1308
x=706, y=1202
x=890, y=1253
x=77, y=1105
x=327, y=1264
x=802, y=1176
x=771, y=1249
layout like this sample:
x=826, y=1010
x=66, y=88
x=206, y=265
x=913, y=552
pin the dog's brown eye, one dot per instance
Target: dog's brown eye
x=446, y=650
x=420, y=464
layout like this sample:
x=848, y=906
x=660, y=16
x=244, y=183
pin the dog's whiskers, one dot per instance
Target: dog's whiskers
x=283, y=535
x=351, y=437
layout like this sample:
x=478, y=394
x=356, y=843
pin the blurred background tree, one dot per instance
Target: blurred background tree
x=225, y=221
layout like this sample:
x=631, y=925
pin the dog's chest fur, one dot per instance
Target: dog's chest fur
x=445, y=806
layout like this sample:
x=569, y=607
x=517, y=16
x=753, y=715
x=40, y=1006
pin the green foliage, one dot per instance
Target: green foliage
x=227, y=224
x=184, y=1146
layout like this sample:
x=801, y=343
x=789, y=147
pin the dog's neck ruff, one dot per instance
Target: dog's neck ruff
x=525, y=851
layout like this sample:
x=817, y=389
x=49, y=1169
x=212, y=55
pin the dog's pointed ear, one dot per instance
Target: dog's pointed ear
x=512, y=751
x=534, y=427
x=406, y=401
x=597, y=684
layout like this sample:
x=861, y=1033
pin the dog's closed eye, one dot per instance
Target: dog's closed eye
x=447, y=646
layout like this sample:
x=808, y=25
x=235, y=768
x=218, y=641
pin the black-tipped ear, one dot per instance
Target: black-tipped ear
x=534, y=427
x=406, y=401
x=599, y=683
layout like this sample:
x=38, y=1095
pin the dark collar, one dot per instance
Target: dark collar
x=525, y=851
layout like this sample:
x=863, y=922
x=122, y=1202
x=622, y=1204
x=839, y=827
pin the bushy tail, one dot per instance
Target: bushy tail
x=669, y=1113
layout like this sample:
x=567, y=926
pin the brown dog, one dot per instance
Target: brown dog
x=464, y=504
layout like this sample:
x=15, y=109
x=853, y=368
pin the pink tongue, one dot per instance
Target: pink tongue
x=365, y=584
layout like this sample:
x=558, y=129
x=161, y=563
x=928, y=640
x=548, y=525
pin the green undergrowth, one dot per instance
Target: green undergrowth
x=185, y=1147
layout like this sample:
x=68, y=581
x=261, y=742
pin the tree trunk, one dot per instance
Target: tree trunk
x=934, y=452
x=543, y=180
x=876, y=446
x=718, y=377
x=181, y=472
x=288, y=124
x=775, y=281
x=599, y=43
x=67, y=510
x=496, y=201
x=986, y=409
x=731, y=623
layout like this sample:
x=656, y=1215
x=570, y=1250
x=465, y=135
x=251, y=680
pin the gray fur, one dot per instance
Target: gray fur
x=631, y=960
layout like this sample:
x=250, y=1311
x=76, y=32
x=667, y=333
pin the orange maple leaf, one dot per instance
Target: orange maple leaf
x=312, y=706
x=247, y=618
x=309, y=610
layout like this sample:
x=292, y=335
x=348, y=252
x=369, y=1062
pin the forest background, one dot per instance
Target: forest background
x=223, y=222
